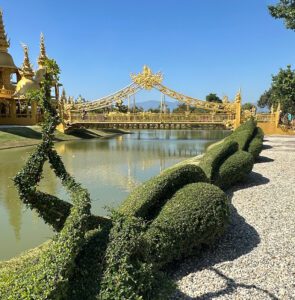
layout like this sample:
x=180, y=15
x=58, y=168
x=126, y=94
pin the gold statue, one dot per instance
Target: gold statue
x=147, y=79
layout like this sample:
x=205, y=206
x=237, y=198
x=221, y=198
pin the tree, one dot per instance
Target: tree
x=281, y=91
x=285, y=9
x=265, y=99
x=182, y=107
x=248, y=106
x=154, y=110
x=213, y=98
x=121, y=107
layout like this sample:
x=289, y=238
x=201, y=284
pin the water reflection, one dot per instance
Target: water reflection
x=109, y=168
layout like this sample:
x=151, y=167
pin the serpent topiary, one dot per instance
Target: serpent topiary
x=256, y=144
x=196, y=215
x=147, y=199
x=215, y=156
x=243, y=134
x=234, y=169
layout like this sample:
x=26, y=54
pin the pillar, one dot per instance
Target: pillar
x=238, y=109
x=13, y=110
x=34, y=112
x=238, y=115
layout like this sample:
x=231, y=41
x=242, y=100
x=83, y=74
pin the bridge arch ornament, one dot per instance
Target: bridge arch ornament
x=148, y=80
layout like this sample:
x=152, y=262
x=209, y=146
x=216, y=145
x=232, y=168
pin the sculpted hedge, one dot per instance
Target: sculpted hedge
x=196, y=215
x=147, y=199
x=122, y=257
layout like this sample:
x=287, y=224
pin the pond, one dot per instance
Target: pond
x=109, y=168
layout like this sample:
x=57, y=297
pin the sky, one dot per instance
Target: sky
x=201, y=47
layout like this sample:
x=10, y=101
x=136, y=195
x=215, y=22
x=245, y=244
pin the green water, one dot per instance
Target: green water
x=109, y=168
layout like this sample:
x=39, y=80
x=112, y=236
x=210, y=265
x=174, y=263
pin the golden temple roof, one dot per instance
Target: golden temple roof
x=42, y=55
x=26, y=69
x=25, y=85
x=6, y=60
x=4, y=43
x=27, y=82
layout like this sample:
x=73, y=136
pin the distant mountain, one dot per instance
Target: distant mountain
x=156, y=104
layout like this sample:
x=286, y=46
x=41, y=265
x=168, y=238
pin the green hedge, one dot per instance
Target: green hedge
x=214, y=157
x=127, y=274
x=197, y=214
x=243, y=134
x=234, y=169
x=146, y=200
x=256, y=144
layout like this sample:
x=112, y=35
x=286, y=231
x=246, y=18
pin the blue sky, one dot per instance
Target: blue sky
x=200, y=46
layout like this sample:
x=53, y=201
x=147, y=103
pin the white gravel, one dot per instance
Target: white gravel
x=255, y=259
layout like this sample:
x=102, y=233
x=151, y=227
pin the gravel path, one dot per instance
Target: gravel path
x=256, y=257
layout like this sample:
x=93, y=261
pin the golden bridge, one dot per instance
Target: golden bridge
x=227, y=114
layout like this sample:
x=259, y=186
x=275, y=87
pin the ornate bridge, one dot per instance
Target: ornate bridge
x=226, y=113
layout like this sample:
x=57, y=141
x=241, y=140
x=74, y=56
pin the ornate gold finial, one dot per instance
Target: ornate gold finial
x=4, y=42
x=238, y=97
x=225, y=100
x=27, y=70
x=63, y=98
x=147, y=79
x=42, y=55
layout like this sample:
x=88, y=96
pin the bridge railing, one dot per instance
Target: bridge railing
x=146, y=117
x=266, y=117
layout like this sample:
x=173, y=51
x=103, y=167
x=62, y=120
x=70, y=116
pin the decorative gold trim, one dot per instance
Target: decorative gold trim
x=147, y=79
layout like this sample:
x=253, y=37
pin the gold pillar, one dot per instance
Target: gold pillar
x=238, y=109
x=34, y=111
x=13, y=109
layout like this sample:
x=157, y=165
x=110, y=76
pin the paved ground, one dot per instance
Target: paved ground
x=256, y=258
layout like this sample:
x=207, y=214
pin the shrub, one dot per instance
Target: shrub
x=127, y=274
x=256, y=144
x=234, y=169
x=243, y=134
x=196, y=215
x=84, y=282
x=146, y=200
x=47, y=278
x=214, y=157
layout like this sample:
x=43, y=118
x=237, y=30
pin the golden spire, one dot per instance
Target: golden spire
x=63, y=98
x=42, y=55
x=238, y=97
x=225, y=99
x=4, y=43
x=26, y=69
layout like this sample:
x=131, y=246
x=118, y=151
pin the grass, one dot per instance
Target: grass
x=20, y=136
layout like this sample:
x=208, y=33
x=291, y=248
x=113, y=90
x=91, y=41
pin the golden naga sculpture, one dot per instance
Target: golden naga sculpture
x=147, y=79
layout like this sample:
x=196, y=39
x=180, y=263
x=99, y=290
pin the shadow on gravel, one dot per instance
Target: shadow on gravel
x=265, y=147
x=231, y=287
x=239, y=239
x=263, y=159
x=253, y=179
